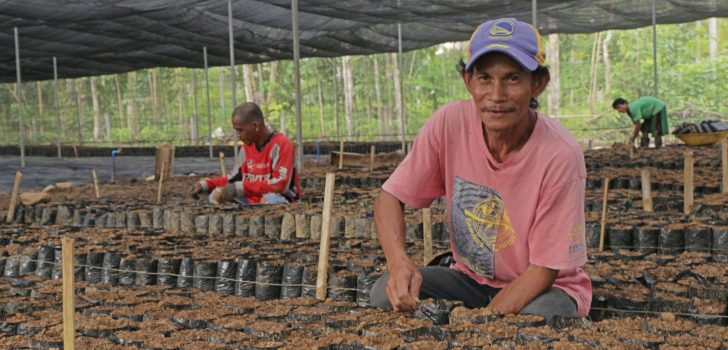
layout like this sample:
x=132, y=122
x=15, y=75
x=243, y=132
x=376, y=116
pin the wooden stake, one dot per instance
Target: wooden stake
x=341, y=155
x=688, y=185
x=69, y=297
x=603, y=230
x=427, y=234
x=14, y=197
x=646, y=191
x=323, y=263
x=222, y=164
x=96, y=183
x=161, y=180
x=372, y=153
x=724, y=156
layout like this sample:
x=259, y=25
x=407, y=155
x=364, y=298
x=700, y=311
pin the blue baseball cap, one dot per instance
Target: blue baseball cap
x=519, y=40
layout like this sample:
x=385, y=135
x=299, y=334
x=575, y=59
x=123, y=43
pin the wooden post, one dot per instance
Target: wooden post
x=372, y=153
x=603, y=229
x=14, y=197
x=427, y=234
x=323, y=263
x=688, y=186
x=646, y=191
x=724, y=156
x=161, y=180
x=96, y=183
x=69, y=296
x=222, y=164
x=341, y=154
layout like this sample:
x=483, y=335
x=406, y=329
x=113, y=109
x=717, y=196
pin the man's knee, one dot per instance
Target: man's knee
x=378, y=294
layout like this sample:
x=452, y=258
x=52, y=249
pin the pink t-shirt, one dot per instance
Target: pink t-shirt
x=503, y=216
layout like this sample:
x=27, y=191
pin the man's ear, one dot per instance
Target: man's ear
x=539, y=83
x=467, y=77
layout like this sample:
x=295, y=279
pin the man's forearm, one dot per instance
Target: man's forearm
x=636, y=129
x=523, y=290
x=389, y=221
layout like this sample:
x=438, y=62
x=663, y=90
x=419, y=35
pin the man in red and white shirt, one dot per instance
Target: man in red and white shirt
x=266, y=174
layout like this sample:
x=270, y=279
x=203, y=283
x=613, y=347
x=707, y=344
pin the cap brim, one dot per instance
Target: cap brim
x=526, y=61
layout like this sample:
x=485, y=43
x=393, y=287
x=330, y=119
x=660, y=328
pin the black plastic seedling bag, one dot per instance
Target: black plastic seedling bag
x=44, y=267
x=620, y=237
x=292, y=276
x=245, y=277
x=132, y=221
x=109, y=267
x=364, y=283
x=698, y=239
x=720, y=244
x=268, y=278
x=228, y=224
x=241, y=225
x=646, y=239
x=342, y=286
x=186, y=273
x=225, y=282
x=146, y=271
x=308, y=280
x=27, y=264
x=255, y=227
x=12, y=266
x=94, y=261
x=204, y=275
x=438, y=311
x=167, y=270
x=671, y=241
x=157, y=217
x=56, y=272
x=127, y=275
x=214, y=224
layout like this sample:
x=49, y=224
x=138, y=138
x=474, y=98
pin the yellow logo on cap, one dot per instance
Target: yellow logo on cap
x=499, y=46
x=502, y=28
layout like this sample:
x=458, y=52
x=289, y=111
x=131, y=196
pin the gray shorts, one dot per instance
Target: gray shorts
x=440, y=282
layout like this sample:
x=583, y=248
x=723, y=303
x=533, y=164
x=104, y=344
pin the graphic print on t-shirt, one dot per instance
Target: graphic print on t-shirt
x=481, y=225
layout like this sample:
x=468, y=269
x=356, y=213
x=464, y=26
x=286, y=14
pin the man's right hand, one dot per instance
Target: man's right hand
x=195, y=191
x=403, y=286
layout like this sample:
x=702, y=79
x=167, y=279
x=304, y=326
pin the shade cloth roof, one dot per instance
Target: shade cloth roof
x=93, y=37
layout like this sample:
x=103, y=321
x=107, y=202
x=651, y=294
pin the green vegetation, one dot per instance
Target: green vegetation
x=158, y=105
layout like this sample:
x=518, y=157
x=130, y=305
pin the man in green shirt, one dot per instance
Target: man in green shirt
x=649, y=115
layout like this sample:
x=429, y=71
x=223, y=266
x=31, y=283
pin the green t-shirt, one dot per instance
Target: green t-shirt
x=645, y=108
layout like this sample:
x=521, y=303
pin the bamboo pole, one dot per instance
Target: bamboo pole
x=688, y=186
x=427, y=234
x=323, y=263
x=372, y=153
x=646, y=191
x=69, y=297
x=603, y=229
x=161, y=180
x=724, y=156
x=222, y=164
x=14, y=197
x=96, y=183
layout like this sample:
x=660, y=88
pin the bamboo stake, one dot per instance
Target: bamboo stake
x=341, y=154
x=688, y=186
x=427, y=234
x=161, y=180
x=646, y=191
x=323, y=263
x=603, y=229
x=69, y=297
x=724, y=156
x=14, y=197
x=222, y=164
x=96, y=183
x=372, y=153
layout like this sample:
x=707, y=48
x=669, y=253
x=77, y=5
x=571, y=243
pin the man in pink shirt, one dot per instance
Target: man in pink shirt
x=514, y=183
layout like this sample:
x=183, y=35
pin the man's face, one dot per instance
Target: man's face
x=622, y=108
x=244, y=131
x=502, y=91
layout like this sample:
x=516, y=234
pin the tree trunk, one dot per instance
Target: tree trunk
x=95, y=102
x=260, y=91
x=180, y=104
x=322, y=132
x=335, y=82
x=80, y=106
x=389, y=111
x=153, y=78
x=607, y=64
x=283, y=129
x=133, y=117
x=399, y=103
x=348, y=95
x=123, y=122
x=593, y=72
x=412, y=65
x=713, y=38
x=41, y=113
x=248, y=83
x=271, y=81
x=554, y=100
x=195, y=111
x=378, y=94
x=221, y=75
x=107, y=122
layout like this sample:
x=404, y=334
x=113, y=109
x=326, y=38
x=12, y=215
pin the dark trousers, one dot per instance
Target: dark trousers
x=646, y=129
x=440, y=282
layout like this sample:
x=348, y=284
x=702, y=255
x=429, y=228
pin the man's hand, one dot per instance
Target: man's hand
x=403, y=286
x=195, y=191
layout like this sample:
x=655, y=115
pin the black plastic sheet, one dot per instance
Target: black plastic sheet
x=225, y=282
x=245, y=277
x=292, y=276
x=268, y=278
x=204, y=275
